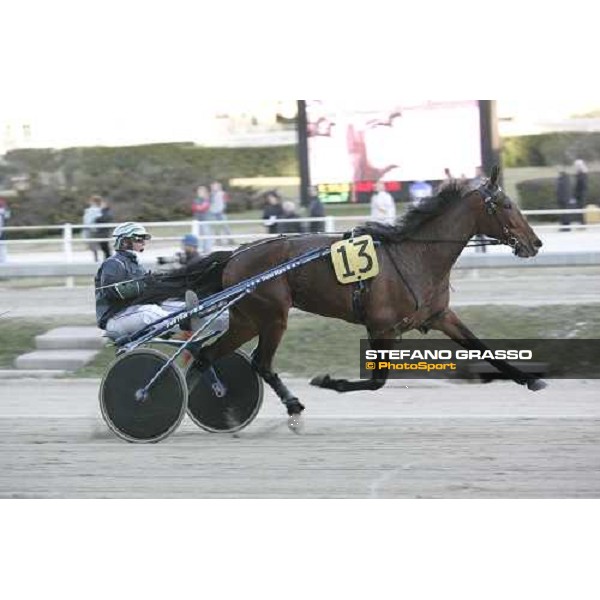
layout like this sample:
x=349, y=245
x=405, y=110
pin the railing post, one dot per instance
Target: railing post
x=68, y=242
x=68, y=250
x=195, y=227
x=329, y=224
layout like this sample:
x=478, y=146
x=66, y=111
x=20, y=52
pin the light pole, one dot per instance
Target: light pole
x=302, y=130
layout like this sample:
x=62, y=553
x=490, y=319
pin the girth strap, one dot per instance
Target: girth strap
x=359, y=292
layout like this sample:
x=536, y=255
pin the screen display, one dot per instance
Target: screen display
x=350, y=147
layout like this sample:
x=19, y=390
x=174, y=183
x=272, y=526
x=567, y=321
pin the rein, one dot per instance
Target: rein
x=469, y=244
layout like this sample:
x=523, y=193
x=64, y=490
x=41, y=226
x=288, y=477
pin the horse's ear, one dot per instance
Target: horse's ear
x=495, y=175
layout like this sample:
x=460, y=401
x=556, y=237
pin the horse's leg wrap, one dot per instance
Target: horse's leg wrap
x=292, y=404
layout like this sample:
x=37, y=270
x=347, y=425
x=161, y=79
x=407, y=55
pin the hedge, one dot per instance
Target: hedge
x=538, y=194
x=147, y=183
x=158, y=181
x=550, y=149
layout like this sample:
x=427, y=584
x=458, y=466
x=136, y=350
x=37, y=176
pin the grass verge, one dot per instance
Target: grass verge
x=17, y=336
x=315, y=344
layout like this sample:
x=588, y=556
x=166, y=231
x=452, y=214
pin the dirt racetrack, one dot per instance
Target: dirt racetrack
x=432, y=440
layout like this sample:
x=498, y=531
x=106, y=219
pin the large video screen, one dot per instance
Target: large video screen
x=353, y=145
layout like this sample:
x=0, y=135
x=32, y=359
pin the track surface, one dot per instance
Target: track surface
x=432, y=440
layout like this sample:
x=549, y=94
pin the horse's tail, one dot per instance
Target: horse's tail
x=203, y=277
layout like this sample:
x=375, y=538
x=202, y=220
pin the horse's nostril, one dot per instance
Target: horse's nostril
x=538, y=243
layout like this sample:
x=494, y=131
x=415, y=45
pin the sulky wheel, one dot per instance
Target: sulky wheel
x=149, y=419
x=226, y=397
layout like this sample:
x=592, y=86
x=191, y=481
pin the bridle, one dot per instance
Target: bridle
x=490, y=193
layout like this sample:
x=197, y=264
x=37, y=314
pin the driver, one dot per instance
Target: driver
x=119, y=281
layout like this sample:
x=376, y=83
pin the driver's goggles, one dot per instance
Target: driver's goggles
x=140, y=238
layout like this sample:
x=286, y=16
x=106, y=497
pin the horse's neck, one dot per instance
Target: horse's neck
x=446, y=236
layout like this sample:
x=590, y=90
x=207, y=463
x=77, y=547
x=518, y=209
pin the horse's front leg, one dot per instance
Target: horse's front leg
x=455, y=329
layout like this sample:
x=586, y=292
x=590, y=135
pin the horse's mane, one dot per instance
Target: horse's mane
x=202, y=276
x=416, y=216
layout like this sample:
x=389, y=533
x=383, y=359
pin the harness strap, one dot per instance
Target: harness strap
x=408, y=287
x=250, y=246
x=359, y=291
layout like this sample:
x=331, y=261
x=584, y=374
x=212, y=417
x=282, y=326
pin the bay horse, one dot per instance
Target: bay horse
x=411, y=291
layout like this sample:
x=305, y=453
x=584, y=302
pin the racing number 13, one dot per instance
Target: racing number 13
x=354, y=259
x=362, y=247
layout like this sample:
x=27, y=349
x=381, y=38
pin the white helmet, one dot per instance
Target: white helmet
x=129, y=230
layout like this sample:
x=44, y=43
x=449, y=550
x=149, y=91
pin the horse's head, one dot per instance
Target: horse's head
x=500, y=218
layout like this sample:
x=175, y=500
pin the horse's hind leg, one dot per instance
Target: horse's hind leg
x=240, y=331
x=379, y=340
x=262, y=360
x=269, y=323
x=456, y=330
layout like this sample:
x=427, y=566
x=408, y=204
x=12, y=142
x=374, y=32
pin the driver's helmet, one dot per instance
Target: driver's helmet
x=129, y=230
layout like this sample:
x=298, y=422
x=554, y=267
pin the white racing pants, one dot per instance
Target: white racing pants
x=134, y=318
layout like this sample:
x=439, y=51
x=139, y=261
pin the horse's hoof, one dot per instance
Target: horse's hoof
x=296, y=423
x=294, y=407
x=535, y=385
x=320, y=380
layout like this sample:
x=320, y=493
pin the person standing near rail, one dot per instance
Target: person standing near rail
x=315, y=210
x=189, y=254
x=106, y=216
x=581, y=186
x=383, y=207
x=218, y=208
x=4, y=216
x=201, y=212
x=563, y=198
x=90, y=214
x=272, y=211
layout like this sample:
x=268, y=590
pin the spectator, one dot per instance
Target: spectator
x=563, y=199
x=581, y=186
x=383, y=208
x=188, y=256
x=218, y=207
x=289, y=212
x=272, y=211
x=189, y=244
x=418, y=191
x=315, y=210
x=90, y=214
x=106, y=216
x=4, y=216
x=200, y=210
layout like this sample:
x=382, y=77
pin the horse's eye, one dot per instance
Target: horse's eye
x=507, y=205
